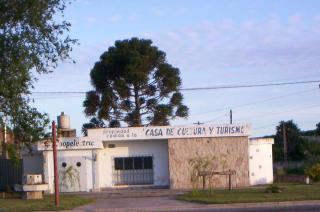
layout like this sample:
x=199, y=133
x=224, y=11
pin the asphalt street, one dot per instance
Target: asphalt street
x=165, y=200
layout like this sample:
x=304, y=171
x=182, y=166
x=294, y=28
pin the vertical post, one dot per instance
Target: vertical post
x=285, y=146
x=230, y=116
x=55, y=164
x=203, y=182
x=230, y=185
x=5, y=152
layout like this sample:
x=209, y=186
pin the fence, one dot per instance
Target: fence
x=10, y=174
x=133, y=177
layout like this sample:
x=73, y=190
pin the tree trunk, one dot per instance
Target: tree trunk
x=137, y=115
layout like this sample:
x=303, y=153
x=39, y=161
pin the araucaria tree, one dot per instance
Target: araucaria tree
x=134, y=84
x=32, y=41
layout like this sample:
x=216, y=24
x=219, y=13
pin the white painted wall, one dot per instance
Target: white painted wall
x=260, y=161
x=156, y=148
x=71, y=158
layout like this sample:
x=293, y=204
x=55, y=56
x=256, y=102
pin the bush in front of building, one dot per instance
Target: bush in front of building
x=273, y=188
x=314, y=172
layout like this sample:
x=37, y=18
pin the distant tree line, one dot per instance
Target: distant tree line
x=299, y=148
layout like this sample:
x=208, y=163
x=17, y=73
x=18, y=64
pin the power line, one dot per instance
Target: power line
x=259, y=115
x=259, y=101
x=200, y=88
x=250, y=86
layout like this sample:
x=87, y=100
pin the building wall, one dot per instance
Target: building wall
x=156, y=148
x=260, y=161
x=70, y=157
x=223, y=154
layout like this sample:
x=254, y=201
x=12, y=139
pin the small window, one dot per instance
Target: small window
x=252, y=174
x=111, y=145
x=260, y=167
x=257, y=150
x=78, y=164
x=64, y=164
x=118, y=163
x=250, y=157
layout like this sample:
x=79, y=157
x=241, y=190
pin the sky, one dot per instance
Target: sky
x=213, y=43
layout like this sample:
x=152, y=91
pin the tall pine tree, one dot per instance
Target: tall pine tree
x=134, y=84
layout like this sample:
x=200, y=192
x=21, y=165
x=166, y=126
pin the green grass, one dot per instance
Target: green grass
x=254, y=194
x=46, y=204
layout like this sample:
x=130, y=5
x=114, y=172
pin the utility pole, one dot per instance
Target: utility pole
x=4, y=144
x=55, y=165
x=230, y=116
x=198, y=123
x=285, y=146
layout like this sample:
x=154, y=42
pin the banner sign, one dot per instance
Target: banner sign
x=165, y=132
x=71, y=143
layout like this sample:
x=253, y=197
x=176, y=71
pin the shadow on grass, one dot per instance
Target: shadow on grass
x=254, y=194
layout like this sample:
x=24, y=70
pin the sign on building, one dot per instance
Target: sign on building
x=166, y=132
x=71, y=143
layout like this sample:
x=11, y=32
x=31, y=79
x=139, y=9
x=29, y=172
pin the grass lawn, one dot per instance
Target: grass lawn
x=46, y=204
x=254, y=194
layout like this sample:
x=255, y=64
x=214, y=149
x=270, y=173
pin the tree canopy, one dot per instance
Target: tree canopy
x=295, y=144
x=32, y=42
x=134, y=84
x=94, y=123
x=318, y=129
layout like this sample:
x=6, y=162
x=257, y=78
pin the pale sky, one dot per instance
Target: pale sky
x=212, y=43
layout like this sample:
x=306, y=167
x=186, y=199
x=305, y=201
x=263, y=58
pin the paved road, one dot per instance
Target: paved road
x=165, y=200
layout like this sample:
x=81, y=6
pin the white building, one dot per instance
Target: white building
x=155, y=156
x=260, y=160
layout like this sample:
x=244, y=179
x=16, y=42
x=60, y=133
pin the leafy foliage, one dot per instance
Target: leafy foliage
x=94, y=123
x=134, y=84
x=198, y=165
x=31, y=42
x=273, y=188
x=69, y=178
x=314, y=172
x=295, y=143
x=318, y=129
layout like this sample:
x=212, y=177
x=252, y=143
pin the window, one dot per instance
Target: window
x=136, y=170
x=64, y=164
x=111, y=146
x=136, y=163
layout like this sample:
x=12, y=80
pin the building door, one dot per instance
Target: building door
x=72, y=174
x=136, y=170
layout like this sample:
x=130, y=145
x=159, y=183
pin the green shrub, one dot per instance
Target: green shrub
x=273, y=188
x=280, y=171
x=296, y=170
x=314, y=172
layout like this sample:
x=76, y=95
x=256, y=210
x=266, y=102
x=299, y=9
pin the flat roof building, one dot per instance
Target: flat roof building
x=165, y=156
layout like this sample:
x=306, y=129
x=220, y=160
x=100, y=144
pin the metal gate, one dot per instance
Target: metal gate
x=136, y=170
x=10, y=174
